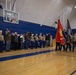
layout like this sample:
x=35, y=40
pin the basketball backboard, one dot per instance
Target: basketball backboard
x=10, y=16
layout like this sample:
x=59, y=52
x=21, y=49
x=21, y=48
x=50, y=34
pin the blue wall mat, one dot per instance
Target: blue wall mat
x=24, y=27
x=74, y=30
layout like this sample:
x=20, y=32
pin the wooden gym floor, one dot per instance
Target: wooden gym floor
x=51, y=63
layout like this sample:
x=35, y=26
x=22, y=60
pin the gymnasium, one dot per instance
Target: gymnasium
x=37, y=37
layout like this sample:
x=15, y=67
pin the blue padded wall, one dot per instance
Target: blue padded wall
x=74, y=31
x=24, y=27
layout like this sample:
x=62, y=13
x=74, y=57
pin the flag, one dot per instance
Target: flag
x=69, y=30
x=59, y=34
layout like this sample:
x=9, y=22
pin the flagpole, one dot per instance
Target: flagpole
x=48, y=11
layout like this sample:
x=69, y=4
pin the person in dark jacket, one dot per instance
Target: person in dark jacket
x=15, y=41
x=68, y=43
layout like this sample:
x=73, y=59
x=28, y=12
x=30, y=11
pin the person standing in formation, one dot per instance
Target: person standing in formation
x=74, y=41
x=1, y=41
x=8, y=39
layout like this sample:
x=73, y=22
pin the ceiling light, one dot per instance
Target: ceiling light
x=75, y=7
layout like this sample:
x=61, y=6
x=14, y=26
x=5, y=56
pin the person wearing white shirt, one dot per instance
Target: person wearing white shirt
x=40, y=40
x=32, y=41
x=22, y=40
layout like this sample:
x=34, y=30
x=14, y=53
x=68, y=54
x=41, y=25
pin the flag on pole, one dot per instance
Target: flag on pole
x=59, y=34
x=69, y=30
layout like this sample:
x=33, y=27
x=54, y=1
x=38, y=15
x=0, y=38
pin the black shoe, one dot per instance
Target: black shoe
x=7, y=50
x=55, y=50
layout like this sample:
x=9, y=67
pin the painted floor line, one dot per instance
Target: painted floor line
x=23, y=55
x=73, y=72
